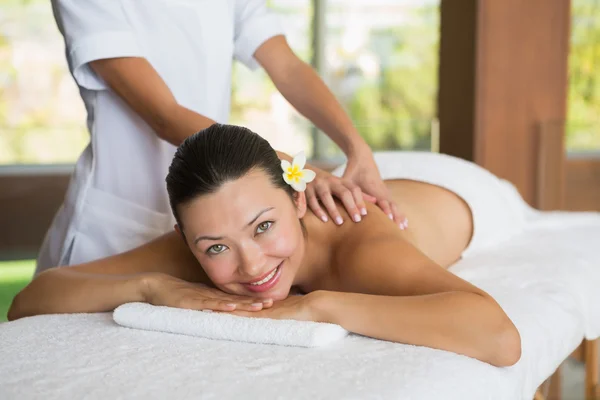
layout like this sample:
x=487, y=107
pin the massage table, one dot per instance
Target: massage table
x=547, y=279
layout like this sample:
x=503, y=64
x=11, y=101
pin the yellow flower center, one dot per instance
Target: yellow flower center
x=294, y=173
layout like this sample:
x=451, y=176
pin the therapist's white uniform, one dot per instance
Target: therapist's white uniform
x=117, y=197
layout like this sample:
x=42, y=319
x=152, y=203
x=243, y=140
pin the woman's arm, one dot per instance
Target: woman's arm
x=462, y=322
x=107, y=283
x=65, y=290
x=162, y=272
x=392, y=291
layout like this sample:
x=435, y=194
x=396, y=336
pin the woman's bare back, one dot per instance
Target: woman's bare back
x=440, y=222
x=440, y=227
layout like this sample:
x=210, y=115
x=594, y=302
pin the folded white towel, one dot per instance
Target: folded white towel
x=216, y=325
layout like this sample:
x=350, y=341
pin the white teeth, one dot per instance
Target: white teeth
x=267, y=279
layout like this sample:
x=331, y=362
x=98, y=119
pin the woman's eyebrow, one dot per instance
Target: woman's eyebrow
x=199, y=238
x=259, y=214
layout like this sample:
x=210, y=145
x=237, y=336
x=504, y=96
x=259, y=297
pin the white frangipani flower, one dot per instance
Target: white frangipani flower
x=295, y=175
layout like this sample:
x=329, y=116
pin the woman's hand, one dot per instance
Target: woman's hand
x=363, y=172
x=299, y=308
x=165, y=290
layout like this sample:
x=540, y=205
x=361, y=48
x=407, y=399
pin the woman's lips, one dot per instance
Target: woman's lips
x=268, y=284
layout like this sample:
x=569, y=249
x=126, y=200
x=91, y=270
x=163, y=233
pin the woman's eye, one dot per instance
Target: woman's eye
x=264, y=226
x=216, y=249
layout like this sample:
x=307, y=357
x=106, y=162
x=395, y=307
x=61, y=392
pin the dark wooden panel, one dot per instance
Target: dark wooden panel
x=29, y=198
x=456, y=95
x=582, y=184
x=518, y=81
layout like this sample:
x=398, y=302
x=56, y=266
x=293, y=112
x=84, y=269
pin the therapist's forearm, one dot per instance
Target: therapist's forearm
x=184, y=123
x=67, y=291
x=181, y=123
x=137, y=83
x=305, y=90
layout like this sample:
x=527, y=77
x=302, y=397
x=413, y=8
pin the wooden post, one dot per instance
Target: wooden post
x=592, y=388
x=503, y=73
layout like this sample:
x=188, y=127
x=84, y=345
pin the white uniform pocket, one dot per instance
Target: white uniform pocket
x=110, y=225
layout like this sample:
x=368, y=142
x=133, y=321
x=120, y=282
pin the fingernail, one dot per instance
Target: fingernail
x=356, y=218
x=267, y=300
x=391, y=216
x=401, y=226
x=230, y=305
x=257, y=304
x=324, y=218
x=405, y=222
x=339, y=220
x=363, y=211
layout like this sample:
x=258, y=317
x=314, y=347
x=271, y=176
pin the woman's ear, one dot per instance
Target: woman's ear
x=300, y=202
x=180, y=233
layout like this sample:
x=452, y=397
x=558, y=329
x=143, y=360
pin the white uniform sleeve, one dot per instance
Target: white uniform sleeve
x=94, y=30
x=254, y=24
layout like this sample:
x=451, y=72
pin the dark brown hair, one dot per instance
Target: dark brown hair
x=218, y=154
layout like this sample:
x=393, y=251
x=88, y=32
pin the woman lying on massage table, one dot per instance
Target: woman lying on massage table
x=253, y=243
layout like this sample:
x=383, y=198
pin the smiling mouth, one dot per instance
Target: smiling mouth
x=266, y=282
x=265, y=279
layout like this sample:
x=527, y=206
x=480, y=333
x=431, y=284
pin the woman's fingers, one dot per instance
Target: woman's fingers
x=223, y=305
x=252, y=303
x=227, y=302
x=200, y=303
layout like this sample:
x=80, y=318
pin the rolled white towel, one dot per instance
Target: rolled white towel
x=223, y=326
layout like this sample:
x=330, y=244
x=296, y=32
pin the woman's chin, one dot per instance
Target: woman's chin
x=275, y=294
x=279, y=294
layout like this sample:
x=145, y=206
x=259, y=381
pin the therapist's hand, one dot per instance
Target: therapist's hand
x=324, y=187
x=363, y=172
x=320, y=195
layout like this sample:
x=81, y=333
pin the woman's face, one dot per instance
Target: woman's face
x=247, y=236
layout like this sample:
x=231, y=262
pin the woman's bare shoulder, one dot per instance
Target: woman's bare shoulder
x=378, y=258
x=372, y=228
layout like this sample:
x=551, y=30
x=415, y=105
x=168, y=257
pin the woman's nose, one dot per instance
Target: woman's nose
x=251, y=260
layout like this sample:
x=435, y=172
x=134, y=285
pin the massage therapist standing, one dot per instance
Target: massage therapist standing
x=153, y=72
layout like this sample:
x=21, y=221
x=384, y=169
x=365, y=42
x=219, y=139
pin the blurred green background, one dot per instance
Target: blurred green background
x=14, y=276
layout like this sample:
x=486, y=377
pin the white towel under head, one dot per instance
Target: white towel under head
x=223, y=326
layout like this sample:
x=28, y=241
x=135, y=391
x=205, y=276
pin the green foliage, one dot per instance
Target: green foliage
x=583, y=124
x=34, y=129
x=395, y=110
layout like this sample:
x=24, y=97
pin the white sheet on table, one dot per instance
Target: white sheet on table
x=547, y=280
